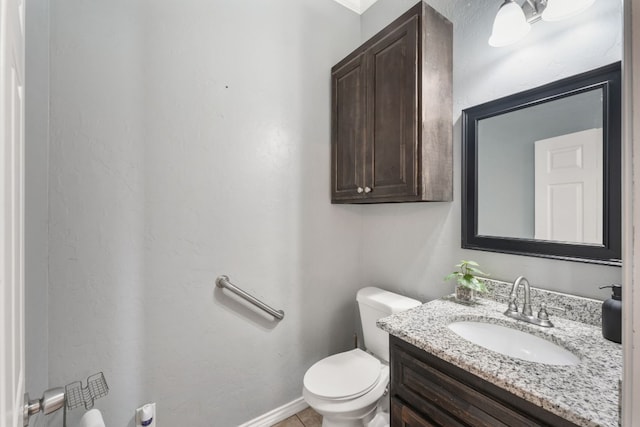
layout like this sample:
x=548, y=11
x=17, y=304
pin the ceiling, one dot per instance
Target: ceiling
x=358, y=6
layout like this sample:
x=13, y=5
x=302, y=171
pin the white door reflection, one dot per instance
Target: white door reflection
x=568, y=188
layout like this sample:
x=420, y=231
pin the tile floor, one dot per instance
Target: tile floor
x=305, y=418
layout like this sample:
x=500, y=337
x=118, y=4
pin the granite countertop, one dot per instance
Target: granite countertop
x=585, y=394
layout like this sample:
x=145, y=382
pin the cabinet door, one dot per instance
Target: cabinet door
x=392, y=101
x=348, y=130
x=403, y=416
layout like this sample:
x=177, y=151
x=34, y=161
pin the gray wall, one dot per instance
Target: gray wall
x=190, y=139
x=36, y=193
x=411, y=247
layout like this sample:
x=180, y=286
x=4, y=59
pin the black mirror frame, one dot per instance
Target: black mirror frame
x=607, y=78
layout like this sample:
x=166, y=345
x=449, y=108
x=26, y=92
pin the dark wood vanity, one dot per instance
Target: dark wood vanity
x=392, y=114
x=427, y=391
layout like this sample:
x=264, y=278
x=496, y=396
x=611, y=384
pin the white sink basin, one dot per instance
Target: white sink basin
x=514, y=343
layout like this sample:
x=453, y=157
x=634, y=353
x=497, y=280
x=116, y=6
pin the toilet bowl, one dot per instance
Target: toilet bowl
x=349, y=389
x=346, y=388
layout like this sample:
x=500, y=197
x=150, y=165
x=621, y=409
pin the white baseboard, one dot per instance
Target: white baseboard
x=278, y=414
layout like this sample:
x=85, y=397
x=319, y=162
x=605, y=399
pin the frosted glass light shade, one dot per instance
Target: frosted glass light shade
x=509, y=26
x=562, y=9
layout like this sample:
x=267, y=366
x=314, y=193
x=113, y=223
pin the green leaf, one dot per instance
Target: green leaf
x=466, y=277
x=462, y=281
x=476, y=271
x=478, y=285
x=451, y=276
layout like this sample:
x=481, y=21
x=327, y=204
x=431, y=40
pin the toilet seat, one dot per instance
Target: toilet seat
x=343, y=376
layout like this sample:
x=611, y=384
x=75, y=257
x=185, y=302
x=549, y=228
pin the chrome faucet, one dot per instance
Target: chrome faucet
x=527, y=314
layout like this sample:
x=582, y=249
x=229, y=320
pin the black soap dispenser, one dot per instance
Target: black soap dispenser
x=612, y=315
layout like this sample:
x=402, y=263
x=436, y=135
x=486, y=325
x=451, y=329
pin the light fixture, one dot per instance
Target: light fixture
x=509, y=26
x=513, y=21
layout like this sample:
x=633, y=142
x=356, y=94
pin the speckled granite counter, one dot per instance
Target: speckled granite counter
x=585, y=394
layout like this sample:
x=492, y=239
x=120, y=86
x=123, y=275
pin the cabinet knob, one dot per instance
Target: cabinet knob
x=368, y=189
x=360, y=190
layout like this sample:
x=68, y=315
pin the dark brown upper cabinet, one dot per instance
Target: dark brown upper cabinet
x=392, y=114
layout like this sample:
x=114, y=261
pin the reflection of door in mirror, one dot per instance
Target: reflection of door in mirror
x=568, y=187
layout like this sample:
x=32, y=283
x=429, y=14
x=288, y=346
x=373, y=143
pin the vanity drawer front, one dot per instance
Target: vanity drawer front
x=430, y=415
x=405, y=417
x=421, y=383
x=446, y=395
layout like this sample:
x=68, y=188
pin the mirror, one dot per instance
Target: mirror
x=542, y=171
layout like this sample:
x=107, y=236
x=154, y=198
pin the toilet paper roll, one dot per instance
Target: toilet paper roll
x=92, y=418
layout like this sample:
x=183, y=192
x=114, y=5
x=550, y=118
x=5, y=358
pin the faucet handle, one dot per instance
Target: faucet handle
x=513, y=306
x=558, y=310
x=543, y=314
x=543, y=317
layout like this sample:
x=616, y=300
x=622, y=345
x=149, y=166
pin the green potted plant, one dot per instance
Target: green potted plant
x=468, y=280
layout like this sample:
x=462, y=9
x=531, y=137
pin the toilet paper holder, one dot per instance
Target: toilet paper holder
x=71, y=396
x=77, y=395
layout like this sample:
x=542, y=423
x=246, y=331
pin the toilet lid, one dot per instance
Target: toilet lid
x=343, y=376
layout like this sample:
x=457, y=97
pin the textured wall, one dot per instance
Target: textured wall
x=191, y=139
x=36, y=193
x=412, y=247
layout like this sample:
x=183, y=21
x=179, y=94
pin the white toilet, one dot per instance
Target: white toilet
x=347, y=388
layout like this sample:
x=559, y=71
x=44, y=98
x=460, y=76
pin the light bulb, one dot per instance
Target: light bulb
x=563, y=9
x=509, y=26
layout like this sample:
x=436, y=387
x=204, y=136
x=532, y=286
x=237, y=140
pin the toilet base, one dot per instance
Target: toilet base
x=382, y=419
x=328, y=421
x=375, y=419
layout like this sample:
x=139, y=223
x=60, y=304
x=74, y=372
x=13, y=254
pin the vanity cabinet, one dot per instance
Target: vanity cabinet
x=428, y=391
x=392, y=114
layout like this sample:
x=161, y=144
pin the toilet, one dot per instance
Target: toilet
x=349, y=389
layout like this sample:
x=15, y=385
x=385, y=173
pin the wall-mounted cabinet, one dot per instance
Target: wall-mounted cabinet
x=392, y=114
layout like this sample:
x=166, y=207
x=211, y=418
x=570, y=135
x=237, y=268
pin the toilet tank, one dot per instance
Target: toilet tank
x=374, y=304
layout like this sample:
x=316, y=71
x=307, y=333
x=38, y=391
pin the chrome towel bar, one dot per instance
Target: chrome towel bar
x=223, y=282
